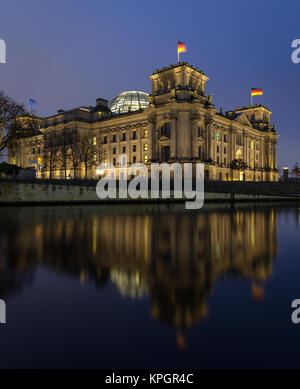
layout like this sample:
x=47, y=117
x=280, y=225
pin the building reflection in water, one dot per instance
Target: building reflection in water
x=173, y=257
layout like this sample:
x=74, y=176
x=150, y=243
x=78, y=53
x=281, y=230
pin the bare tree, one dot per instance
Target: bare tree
x=63, y=150
x=87, y=152
x=75, y=155
x=9, y=126
x=12, y=148
x=296, y=171
x=238, y=164
x=50, y=151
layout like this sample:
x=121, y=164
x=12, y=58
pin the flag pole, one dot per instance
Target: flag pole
x=178, y=54
x=251, y=98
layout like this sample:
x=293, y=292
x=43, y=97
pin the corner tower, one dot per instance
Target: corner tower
x=178, y=107
x=181, y=82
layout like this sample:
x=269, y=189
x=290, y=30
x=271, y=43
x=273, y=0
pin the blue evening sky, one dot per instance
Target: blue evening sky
x=66, y=53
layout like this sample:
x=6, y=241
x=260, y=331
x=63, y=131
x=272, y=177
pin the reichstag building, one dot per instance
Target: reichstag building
x=176, y=122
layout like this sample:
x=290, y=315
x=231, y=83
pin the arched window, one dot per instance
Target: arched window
x=238, y=154
x=166, y=130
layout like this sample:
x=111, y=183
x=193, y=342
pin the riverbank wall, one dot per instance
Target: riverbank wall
x=65, y=192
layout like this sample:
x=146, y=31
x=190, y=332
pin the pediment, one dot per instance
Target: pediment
x=243, y=119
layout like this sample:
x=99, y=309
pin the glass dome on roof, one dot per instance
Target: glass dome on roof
x=129, y=101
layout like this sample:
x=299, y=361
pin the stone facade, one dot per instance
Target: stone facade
x=180, y=125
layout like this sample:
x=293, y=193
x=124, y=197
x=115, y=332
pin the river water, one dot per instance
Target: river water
x=150, y=286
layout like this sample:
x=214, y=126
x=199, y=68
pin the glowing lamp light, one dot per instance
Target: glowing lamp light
x=100, y=172
x=258, y=292
x=181, y=342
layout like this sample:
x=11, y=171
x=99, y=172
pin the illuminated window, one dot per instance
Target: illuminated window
x=218, y=136
x=95, y=157
x=252, y=145
x=145, y=147
x=95, y=141
x=146, y=133
x=238, y=154
x=145, y=158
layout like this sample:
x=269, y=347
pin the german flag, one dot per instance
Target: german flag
x=256, y=92
x=181, y=47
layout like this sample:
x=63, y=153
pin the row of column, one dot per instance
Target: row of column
x=191, y=149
